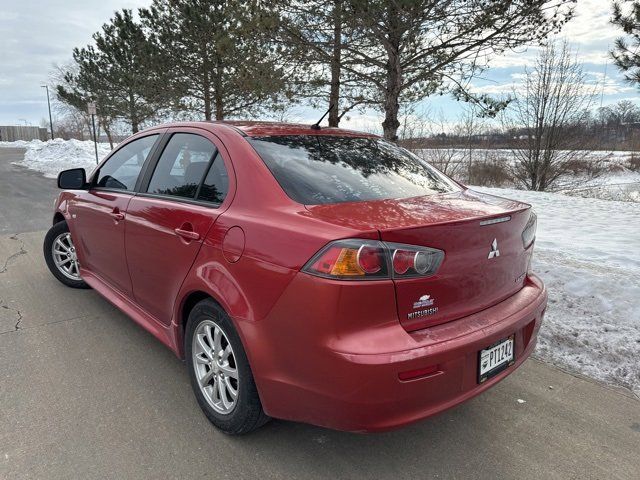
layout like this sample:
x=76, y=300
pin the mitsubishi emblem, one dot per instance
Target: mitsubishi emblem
x=494, y=252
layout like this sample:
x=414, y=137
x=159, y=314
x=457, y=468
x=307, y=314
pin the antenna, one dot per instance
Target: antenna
x=316, y=126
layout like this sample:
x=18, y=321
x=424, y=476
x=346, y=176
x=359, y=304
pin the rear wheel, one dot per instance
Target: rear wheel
x=60, y=255
x=219, y=371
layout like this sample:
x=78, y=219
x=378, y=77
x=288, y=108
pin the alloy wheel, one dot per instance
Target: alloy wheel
x=215, y=366
x=64, y=256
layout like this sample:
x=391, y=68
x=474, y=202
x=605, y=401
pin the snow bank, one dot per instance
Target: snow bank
x=588, y=253
x=52, y=156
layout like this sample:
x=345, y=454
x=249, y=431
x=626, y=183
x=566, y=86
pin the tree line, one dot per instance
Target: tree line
x=222, y=59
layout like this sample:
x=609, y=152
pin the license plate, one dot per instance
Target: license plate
x=492, y=360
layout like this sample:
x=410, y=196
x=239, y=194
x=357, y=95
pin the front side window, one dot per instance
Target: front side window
x=182, y=166
x=330, y=169
x=121, y=171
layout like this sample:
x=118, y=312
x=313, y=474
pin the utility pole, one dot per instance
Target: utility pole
x=49, y=105
x=91, y=110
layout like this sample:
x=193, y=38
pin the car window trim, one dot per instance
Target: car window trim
x=133, y=191
x=173, y=198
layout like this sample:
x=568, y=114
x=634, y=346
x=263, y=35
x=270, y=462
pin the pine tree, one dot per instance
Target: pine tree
x=411, y=49
x=317, y=42
x=625, y=54
x=117, y=73
x=218, y=55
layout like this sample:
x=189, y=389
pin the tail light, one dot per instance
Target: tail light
x=359, y=259
x=350, y=259
x=529, y=232
x=414, y=261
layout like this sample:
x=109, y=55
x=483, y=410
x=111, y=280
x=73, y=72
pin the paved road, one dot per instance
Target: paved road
x=85, y=393
x=26, y=197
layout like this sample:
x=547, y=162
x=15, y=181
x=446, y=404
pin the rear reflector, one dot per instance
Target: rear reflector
x=421, y=372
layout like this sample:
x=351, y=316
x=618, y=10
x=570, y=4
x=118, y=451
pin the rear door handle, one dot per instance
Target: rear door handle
x=117, y=215
x=187, y=234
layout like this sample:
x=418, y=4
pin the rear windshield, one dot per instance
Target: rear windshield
x=315, y=170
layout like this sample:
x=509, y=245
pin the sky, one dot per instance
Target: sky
x=35, y=36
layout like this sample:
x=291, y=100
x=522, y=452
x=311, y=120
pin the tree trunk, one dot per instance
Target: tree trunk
x=107, y=131
x=219, y=106
x=133, y=114
x=206, y=90
x=394, y=77
x=334, y=95
x=218, y=92
x=392, y=97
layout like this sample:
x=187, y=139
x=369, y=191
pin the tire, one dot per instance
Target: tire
x=60, y=231
x=217, y=369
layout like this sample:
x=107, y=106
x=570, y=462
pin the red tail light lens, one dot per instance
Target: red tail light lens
x=370, y=259
x=414, y=261
x=359, y=259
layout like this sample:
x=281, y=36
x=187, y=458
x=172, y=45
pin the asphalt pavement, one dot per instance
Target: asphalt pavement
x=85, y=393
x=26, y=197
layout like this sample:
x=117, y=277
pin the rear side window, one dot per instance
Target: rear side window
x=327, y=169
x=216, y=184
x=123, y=167
x=182, y=166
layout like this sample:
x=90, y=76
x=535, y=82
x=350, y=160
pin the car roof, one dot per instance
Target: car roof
x=267, y=129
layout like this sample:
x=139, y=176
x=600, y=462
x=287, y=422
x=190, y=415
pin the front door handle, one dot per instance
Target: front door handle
x=187, y=234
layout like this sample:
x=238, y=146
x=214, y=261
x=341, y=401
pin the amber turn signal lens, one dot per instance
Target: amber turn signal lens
x=347, y=264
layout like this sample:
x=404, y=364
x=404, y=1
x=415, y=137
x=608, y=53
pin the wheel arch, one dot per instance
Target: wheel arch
x=189, y=301
x=58, y=217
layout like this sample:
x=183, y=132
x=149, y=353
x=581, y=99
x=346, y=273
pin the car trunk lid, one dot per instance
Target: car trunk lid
x=484, y=263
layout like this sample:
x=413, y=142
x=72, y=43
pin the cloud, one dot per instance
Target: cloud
x=34, y=36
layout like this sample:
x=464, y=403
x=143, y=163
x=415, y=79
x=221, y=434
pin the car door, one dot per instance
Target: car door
x=98, y=214
x=169, y=218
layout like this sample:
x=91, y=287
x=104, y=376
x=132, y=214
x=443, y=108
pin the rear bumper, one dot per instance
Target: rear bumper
x=348, y=379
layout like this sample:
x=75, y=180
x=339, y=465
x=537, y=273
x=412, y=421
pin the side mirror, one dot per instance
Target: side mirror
x=73, y=179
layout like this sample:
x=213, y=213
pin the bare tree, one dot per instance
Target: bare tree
x=549, y=111
x=454, y=153
x=469, y=127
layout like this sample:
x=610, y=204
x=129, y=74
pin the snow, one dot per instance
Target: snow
x=623, y=185
x=614, y=182
x=588, y=253
x=53, y=156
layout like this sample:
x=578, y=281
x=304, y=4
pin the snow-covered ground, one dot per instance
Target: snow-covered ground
x=52, y=156
x=587, y=252
x=615, y=181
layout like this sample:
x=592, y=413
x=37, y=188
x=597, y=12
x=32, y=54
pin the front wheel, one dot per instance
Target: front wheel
x=219, y=371
x=60, y=255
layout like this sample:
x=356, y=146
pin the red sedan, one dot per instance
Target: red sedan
x=317, y=275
